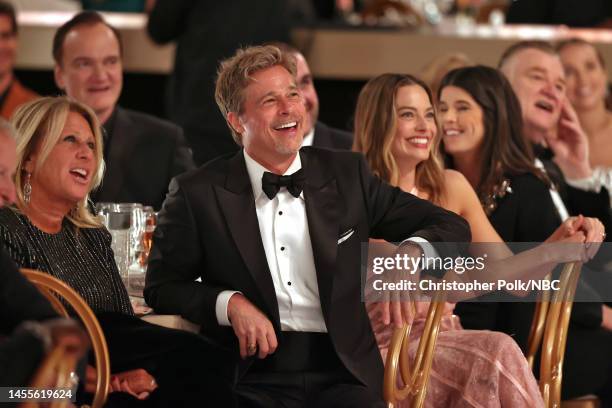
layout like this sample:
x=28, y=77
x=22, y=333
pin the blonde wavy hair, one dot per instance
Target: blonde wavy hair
x=39, y=125
x=375, y=128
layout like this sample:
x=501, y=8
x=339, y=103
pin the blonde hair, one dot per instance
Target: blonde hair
x=375, y=128
x=39, y=125
x=235, y=74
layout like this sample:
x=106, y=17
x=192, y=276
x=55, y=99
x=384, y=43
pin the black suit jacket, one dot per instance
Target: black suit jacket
x=19, y=301
x=587, y=203
x=208, y=228
x=142, y=156
x=331, y=138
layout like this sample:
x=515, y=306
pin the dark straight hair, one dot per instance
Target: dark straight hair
x=84, y=18
x=505, y=150
x=7, y=9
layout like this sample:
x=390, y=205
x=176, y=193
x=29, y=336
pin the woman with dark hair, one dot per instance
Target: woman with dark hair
x=589, y=93
x=482, y=138
x=396, y=130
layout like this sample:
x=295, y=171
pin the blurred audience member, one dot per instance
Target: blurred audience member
x=317, y=133
x=59, y=161
x=433, y=72
x=588, y=13
x=142, y=153
x=24, y=311
x=587, y=90
x=550, y=123
x=207, y=32
x=12, y=93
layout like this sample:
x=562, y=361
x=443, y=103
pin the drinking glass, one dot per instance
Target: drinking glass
x=118, y=222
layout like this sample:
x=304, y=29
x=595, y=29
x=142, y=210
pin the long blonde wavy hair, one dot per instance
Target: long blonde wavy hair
x=39, y=125
x=375, y=128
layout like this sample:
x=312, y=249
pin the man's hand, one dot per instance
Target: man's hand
x=571, y=145
x=397, y=307
x=253, y=329
x=396, y=312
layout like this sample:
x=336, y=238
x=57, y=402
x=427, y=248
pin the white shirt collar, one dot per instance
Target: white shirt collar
x=256, y=172
x=308, y=138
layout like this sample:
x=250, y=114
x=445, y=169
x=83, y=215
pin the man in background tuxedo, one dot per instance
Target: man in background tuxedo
x=317, y=133
x=142, y=153
x=275, y=234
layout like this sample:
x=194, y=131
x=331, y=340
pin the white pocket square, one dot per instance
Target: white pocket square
x=346, y=236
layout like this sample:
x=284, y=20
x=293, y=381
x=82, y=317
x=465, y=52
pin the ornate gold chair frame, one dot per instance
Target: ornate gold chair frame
x=415, y=376
x=52, y=288
x=549, y=328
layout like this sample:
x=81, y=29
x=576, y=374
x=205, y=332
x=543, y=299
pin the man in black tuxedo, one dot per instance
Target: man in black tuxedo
x=279, y=257
x=317, y=133
x=142, y=153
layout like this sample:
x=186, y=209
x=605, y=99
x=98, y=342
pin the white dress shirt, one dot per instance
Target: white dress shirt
x=554, y=194
x=286, y=239
x=308, y=138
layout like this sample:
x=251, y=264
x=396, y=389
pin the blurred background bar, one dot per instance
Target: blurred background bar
x=36, y=30
x=343, y=48
x=365, y=51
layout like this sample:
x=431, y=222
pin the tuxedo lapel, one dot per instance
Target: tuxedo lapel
x=323, y=209
x=238, y=207
x=119, y=153
x=321, y=136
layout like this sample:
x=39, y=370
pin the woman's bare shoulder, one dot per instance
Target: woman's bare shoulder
x=455, y=181
x=460, y=196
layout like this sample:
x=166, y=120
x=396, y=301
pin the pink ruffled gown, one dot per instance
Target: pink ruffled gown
x=471, y=368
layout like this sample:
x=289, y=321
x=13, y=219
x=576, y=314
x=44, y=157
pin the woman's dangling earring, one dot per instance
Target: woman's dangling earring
x=27, y=189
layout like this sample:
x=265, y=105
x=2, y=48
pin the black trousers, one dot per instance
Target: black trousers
x=178, y=360
x=305, y=371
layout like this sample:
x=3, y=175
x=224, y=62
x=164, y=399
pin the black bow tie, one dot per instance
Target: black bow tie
x=271, y=183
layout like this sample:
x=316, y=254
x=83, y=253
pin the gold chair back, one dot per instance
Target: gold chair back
x=537, y=326
x=54, y=373
x=415, y=376
x=549, y=328
x=53, y=289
